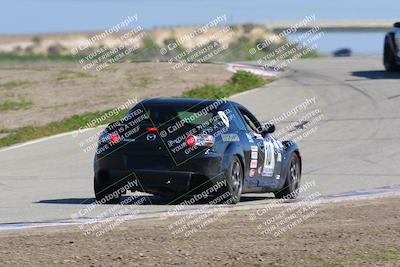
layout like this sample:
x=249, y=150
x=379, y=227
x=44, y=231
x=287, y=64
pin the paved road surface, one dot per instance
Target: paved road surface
x=355, y=146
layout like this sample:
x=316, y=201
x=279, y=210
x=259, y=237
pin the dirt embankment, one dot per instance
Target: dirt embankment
x=357, y=233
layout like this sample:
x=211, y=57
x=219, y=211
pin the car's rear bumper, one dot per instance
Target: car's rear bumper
x=157, y=182
x=194, y=176
x=157, y=174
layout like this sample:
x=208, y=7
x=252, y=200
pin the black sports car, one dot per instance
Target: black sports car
x=176, y=146
x=343, y=52
x=391, y=50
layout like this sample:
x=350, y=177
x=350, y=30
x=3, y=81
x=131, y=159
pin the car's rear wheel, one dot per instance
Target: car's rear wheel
x=106, y=194
x=293, y=178
x=389, y=60
x=234, y=181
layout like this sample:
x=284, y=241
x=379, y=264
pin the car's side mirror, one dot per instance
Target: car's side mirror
x=396, y=25
x=269, y=128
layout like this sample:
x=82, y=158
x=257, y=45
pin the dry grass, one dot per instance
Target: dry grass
x=59, y=90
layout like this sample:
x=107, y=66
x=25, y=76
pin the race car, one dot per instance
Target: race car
x=391, y=50
x=178, y=147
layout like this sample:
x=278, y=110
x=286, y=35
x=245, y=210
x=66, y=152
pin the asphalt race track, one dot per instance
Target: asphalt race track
x=355, y=146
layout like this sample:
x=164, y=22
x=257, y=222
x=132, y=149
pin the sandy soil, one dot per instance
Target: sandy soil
x=57, y=90
x=356, y=233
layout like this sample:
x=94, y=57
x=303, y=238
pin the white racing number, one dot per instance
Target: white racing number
x=269, y=158
x=224, y=118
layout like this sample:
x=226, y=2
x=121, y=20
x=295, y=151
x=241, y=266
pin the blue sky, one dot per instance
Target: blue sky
x=41, y=16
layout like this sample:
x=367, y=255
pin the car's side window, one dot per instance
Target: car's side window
x=230, y=116
x=237, y=118
x=250, y=121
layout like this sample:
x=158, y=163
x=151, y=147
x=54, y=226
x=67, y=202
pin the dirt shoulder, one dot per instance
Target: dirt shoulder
x=351, y=233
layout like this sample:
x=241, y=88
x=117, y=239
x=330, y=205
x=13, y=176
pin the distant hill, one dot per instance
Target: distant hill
x=153, y=44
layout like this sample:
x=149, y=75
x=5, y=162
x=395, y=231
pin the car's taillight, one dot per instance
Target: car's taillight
x=190, y=140
x=107, y=138
x=114, y=137
x=200, y=140
x=152, y=129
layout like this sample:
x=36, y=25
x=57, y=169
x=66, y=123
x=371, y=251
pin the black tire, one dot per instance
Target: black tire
x=389, y=60
x=234, y=181
x=293, y=178
x=103, y=192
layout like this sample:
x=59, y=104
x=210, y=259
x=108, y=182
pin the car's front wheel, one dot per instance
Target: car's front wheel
x=293, y=177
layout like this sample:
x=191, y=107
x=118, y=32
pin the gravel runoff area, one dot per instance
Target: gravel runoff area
x=360, y=232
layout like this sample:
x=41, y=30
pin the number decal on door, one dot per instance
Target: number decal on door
x=269, y=159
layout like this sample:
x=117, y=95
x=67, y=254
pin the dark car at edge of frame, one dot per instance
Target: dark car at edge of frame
x=391, y=49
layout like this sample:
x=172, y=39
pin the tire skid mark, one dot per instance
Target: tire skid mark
x=336, y=81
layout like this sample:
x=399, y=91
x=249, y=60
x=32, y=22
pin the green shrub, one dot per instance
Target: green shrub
x=27, y=133
x=240, y=81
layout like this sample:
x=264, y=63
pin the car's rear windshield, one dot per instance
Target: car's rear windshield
x=172, y=113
